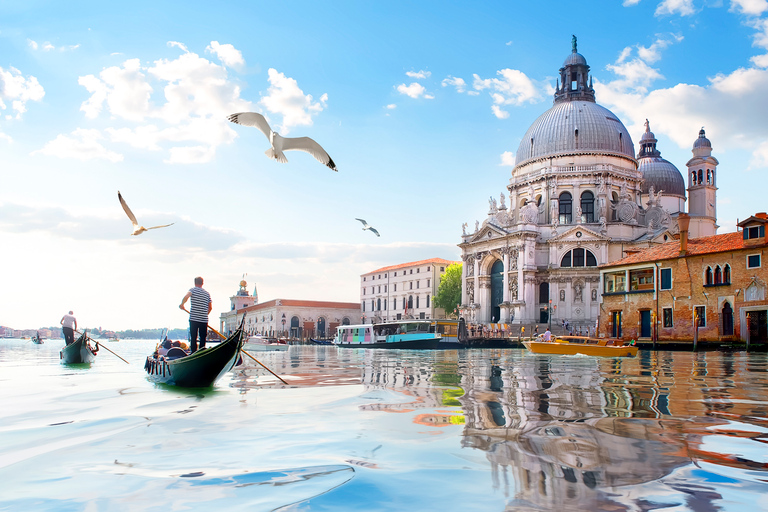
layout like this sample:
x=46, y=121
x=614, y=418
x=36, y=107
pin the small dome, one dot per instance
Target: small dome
x=575, y=59
x=575, y=127
x=702, y=141
x=662, y=175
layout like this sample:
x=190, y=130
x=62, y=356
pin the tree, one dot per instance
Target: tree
x=448, y=294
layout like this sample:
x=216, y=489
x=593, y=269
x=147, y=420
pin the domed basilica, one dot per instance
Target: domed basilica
x=578, y=198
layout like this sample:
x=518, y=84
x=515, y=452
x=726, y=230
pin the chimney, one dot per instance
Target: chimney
x=683, y=220
x=761, y=215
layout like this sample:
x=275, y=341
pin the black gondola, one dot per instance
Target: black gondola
x=37, y=340
x=320, y=342
x=78, y=352
x=199, y=370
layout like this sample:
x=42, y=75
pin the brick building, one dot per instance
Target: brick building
x=717, y=282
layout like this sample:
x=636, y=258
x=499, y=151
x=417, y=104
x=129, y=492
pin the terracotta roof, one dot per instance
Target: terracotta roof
x=434, y=261
x=726, y=242
x=305, y=304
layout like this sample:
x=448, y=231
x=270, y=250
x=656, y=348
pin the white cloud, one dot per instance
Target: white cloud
x=508, y=159
x=761, y=36
x=176, y=105
x=761, y=61
x=391, y=106
x=47, y=46
x=82, y=145
x=681, y=7
x=624, y=54
x=228, y=54
x=458, y=83
x=652, y=53
x=750, y=7
x=513, y=88
x=419, y=74
x=284, y=97
x=19, y=90
x=415, y=90
x=636, y=75
x=627, y=3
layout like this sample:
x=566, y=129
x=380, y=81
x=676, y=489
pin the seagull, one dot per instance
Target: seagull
x=137, y=230
x=366, y=226
x=279, y=143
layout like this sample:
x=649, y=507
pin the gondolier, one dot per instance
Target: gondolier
x=68, y=326
x=200, y=307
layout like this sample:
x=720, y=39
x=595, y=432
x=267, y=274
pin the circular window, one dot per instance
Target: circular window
x=578, y=234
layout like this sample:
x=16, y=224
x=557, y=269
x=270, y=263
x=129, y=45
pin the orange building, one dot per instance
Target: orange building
x=710, y=289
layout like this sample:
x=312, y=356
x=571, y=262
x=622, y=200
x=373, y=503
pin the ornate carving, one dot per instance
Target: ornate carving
x=501, y=202
x=470, y=292
x=578, y=289
x=530, y=213
x=653, y=200
x=492, y=206
x=464, y=229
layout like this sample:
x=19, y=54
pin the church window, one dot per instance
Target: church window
x=709, y=177
x=718, y=275
x=587, y=207
x=700, y=177
x=566, y=208
x=578, y=258
x=543, y=293
x=727, y=274
x=708, y=276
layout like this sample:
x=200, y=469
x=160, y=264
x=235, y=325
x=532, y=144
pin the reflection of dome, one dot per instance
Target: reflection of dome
x=657, y=172
x=573, y=127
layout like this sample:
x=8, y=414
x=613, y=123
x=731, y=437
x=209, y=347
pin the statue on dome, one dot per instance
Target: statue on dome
x=501, y=202
x=653, y=200
x=573, y=43
x=492, y=205
x=464, y=229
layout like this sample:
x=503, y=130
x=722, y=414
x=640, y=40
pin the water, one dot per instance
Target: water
x=386, y=430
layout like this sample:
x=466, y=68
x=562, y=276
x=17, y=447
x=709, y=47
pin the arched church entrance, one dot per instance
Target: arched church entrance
x=497, y=290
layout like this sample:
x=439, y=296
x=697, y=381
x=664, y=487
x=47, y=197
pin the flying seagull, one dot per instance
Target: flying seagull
x=279, y=143
x=366, y=226
x=137, y=230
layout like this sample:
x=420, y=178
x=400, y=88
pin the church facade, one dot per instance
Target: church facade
x=578, y=197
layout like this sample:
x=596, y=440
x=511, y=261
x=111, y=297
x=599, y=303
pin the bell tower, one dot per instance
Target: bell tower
x=702, y=188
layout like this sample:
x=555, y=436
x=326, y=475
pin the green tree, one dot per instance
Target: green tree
x=448, y=294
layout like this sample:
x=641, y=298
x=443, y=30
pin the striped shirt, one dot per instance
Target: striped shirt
x=198, y=307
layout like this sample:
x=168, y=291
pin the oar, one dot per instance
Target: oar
x=244, y=352
x=105, y=348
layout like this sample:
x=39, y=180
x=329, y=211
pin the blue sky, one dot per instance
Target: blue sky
x=420, y=104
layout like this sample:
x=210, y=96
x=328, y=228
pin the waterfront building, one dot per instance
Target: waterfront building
x=287, y=317
x=578, y=197
x=710, y=288
x=402, y=291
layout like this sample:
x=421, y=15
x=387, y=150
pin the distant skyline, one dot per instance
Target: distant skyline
x=421, y=105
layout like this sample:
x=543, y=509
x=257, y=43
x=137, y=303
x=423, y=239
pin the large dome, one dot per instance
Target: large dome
x=575, y=127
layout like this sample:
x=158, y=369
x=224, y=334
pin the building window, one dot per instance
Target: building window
x=615, y=282
x=373, y=304
x=427, y=269
x=363, y=279
x=395, y=274
x=587, y=207
x=442, y=269
x=727, y=274
x=754, y=232
x=417, y=270
x=411, y=271
x=417, y=283
x=718, y=275
x=566, y=208
x=363, y=306
x=378, y=305
x=403, y=302
x=379, y=288
x=385, y=288
x=411, y=283
x=708, y=276
x=395, y=285
x=666, y=279
x=428, y=280
x=666, y=315
x=753, y=261
x=410, y=302
x=417, y=302
x=641, y=279
x=427, y=300
x=578, y=258
x=700, y=314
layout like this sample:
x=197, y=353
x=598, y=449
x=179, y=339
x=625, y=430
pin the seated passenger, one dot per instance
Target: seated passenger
x=167, y=344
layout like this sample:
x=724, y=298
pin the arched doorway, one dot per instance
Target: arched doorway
x=321, y=327
x=727, y=315
x=544, y=299
x=295, y=329
x=497, y=290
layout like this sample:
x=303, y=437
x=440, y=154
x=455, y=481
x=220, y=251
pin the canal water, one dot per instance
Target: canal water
x=378, y=430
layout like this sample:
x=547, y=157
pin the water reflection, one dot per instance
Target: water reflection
x=572, y=432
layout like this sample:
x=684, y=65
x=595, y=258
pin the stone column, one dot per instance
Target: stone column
x=505, y=260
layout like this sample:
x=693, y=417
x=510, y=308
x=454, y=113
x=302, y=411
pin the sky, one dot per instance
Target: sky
x=421, y=105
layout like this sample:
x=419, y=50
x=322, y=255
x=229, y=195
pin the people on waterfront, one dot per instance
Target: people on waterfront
x=547, y=335
x=68, y=327
x=199, y=309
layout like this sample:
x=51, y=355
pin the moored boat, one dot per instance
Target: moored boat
x=401, y=334
x=79, y=351
x=320, y=342
x=199, y=370
x=260, y=343
x=572, y=345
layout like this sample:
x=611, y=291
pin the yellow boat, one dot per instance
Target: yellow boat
x=571, y=345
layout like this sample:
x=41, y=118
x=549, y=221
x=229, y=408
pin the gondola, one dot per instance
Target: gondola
x=37, y=340
x=320, y=342
x=199, y=370
x=79, y=351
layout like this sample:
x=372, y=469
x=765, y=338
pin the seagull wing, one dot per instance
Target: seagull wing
x=252, y=119
x=163, y=226
x=127, y=210
x=374, y=230
x=365, y=224
x=309, y=146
